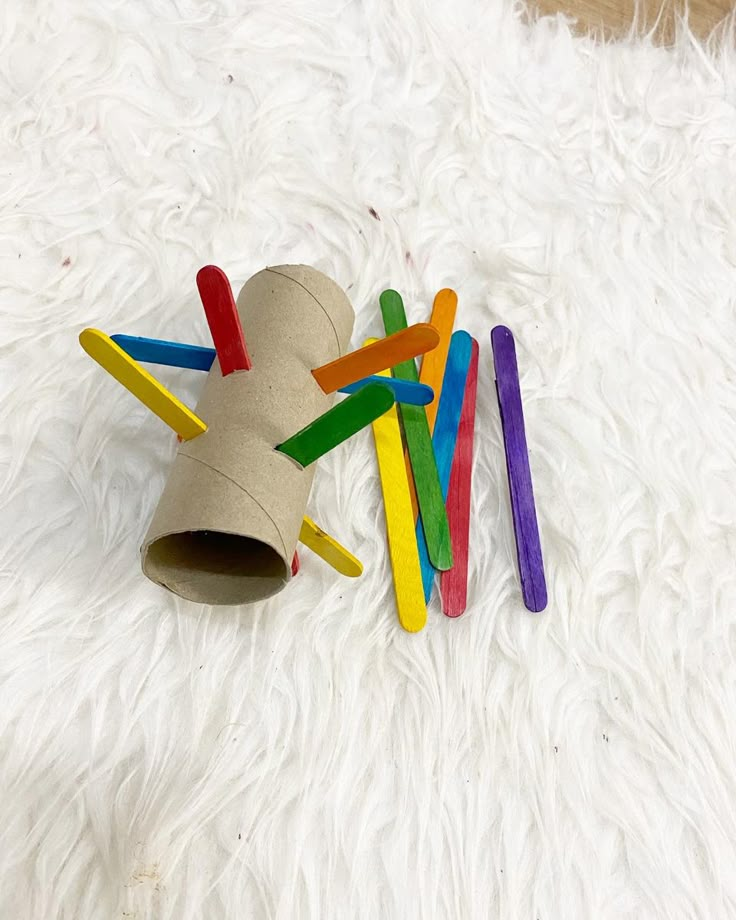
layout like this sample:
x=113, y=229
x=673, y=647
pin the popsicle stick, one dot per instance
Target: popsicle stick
x=416, y=394
x=454, y=583
x=141, y=384
x=432, y=371
x=295, y=564
x=401, y=346
x=172, y=354
x=402, y=545
x=421, y=453
x=223, y=320
x=338, y=424
x=327, y=548
x=433, y=367
x=526, y=530
x=445, y=435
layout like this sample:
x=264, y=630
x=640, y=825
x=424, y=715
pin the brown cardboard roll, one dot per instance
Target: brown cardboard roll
x=228, y=521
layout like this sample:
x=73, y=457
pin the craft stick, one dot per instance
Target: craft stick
x=402, y=545
x=433, y=367
x=200, y=358
x=432, y=371
x=445, y=435
x=223, y=320
x=141, y=384
x=172, y=354
x=295, y=564
x=421, y=453
x=416, y=394
x=526, y=530
x=454, y=583
x=381, y=355
x=338, y=424
x=327, y=548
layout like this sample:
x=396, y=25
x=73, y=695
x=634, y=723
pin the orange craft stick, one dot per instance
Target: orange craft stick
x=380, y=356
x=432, y=371
x=433, y=368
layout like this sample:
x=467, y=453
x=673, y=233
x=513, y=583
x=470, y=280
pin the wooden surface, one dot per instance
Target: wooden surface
x=613, y=18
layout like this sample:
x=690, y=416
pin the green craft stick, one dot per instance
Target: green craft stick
x=338, y=424
x=421, y=453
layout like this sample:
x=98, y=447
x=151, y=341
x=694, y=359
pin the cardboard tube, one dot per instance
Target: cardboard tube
x=228, y=521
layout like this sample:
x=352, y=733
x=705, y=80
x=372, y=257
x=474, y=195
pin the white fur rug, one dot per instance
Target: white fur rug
x=305, y=758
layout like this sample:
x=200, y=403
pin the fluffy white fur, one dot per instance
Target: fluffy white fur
x=305, y=758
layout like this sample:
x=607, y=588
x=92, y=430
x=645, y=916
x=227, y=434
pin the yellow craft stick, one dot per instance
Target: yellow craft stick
x=433, y=368
x=141, y=384
x=327, y=548
x=400, y=528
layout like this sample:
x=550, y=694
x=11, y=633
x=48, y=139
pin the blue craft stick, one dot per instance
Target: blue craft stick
x=413, y=394
x=445, y=434
x=174, y=354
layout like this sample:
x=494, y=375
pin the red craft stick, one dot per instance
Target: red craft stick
x=295, y=564
x=454, y=582
x=223, y=320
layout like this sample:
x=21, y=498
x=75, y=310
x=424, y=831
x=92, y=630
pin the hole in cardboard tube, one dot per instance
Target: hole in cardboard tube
x=211, y=567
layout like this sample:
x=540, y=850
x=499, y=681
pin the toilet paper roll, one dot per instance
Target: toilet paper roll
x=228, y=521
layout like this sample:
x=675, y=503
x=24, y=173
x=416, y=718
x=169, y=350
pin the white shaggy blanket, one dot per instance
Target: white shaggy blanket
x=305, y=758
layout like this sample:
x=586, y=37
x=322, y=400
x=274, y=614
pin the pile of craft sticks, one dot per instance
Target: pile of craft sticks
x=425, y=459
x=423, y=424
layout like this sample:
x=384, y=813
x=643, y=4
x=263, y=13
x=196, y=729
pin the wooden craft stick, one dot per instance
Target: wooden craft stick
x=454, y=583
x=416, y=394
x=141, y=384
x=172, y=354
x=526, y=530
x=385, y=353
x=338, y=424
x=432, y=371
x=223, y=320
x=200, y=358
x=421, y=453
x=402, y=545
x=327, y=548
x=433, y=367
x=445, y=435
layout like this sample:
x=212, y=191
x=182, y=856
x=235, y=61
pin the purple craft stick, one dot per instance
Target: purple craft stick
x=526, y=531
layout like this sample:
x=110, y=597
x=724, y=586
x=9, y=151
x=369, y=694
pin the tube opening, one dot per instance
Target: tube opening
x=211, y=567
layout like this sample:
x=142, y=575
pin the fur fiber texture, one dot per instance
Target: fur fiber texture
x=304, y=757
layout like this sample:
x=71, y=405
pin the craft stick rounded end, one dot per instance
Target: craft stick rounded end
x=430, y=332
x=90, y=336
x=535, y=598
x=353, y=568
x=445, y=297
x=209, y=273
x=500, y=335
x=415, y=622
